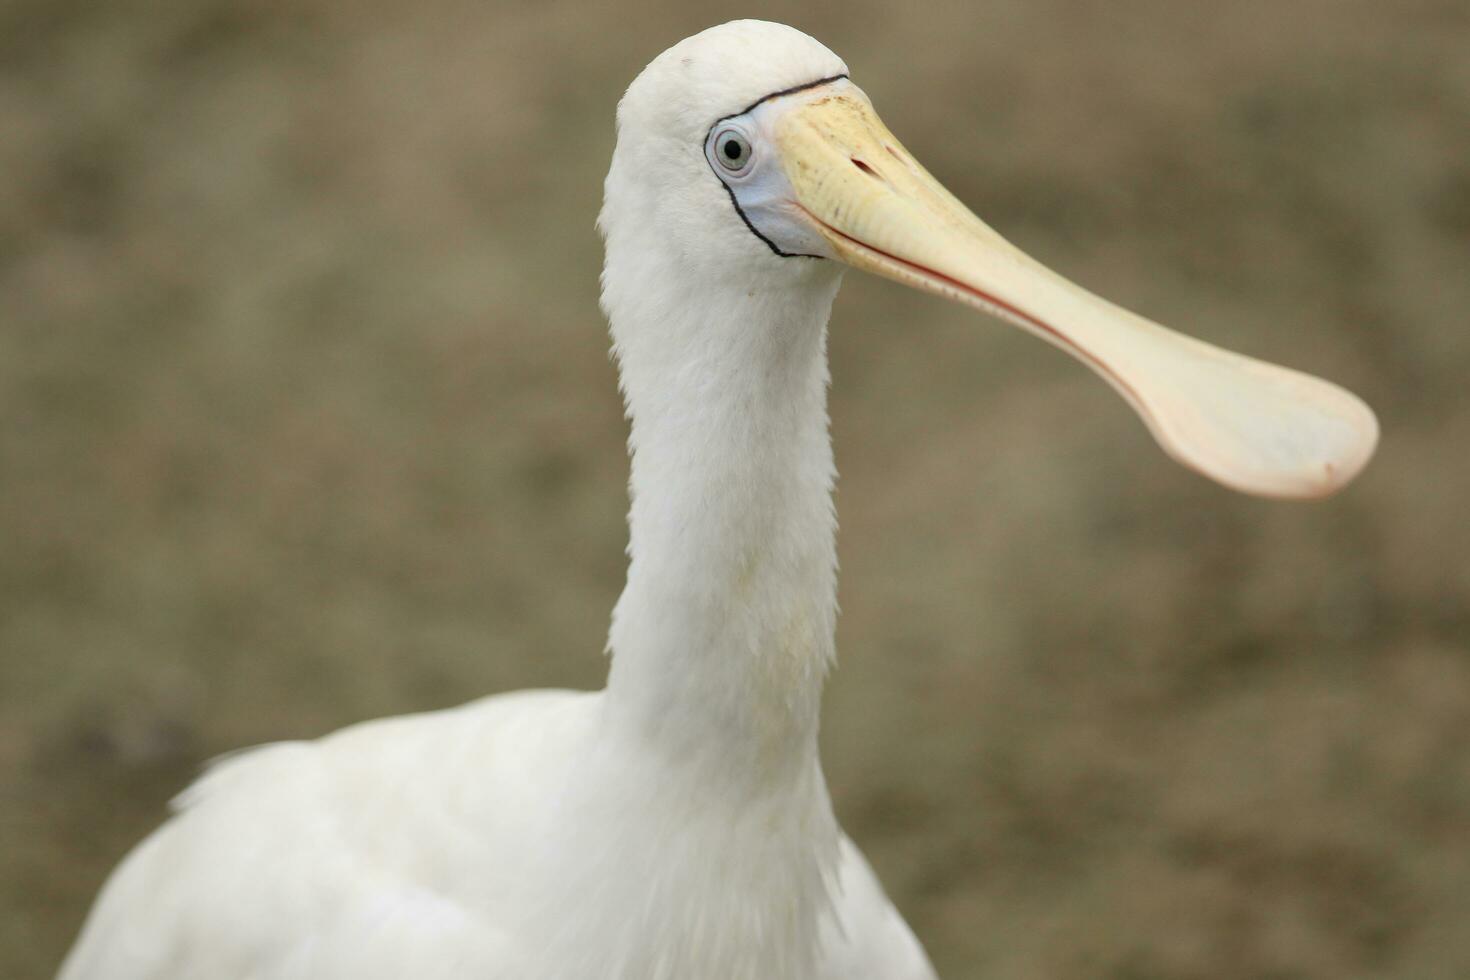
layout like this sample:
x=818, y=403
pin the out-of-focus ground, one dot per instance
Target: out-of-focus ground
x=306, y=417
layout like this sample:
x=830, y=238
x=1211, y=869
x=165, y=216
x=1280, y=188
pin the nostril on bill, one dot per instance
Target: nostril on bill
x=865, y=168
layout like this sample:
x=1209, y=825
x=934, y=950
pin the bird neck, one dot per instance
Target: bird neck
x=723, y=635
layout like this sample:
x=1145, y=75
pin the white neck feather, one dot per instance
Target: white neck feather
x=705, y=766
x=724, y=633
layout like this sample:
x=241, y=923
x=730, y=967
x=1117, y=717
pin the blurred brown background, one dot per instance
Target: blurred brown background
x=306, y=416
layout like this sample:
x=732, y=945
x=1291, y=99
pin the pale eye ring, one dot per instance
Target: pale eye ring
x=732, y=150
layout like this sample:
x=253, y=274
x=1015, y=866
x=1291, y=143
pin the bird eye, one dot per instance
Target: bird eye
x=732, y=149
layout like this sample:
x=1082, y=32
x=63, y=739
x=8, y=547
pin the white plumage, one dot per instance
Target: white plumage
x=677, y=823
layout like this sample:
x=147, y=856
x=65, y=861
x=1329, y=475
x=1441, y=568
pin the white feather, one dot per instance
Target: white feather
x=675, y=824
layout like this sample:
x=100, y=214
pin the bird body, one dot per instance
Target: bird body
x=675, y=825
x=502, y=839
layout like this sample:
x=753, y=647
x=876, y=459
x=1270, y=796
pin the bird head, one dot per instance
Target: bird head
x=747, y=155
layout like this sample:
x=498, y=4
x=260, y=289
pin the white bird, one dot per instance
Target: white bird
x=676, y=824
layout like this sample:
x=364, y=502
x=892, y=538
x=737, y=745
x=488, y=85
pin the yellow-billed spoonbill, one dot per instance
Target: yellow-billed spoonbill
x=676, y=825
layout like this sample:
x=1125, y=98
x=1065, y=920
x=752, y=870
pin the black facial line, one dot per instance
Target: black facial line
x=731, y=191
x=785, y=91
x=756, y=232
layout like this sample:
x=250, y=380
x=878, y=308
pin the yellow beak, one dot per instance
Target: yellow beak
x=1255, y=427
